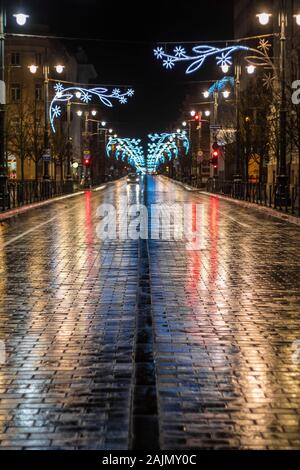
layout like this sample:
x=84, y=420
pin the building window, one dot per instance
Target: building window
x=15, y=92
x=15, y=58
x=38, y=92
x=38, y=58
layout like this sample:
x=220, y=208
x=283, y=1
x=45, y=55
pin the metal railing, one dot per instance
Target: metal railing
x=284, y=199
x=21, y=193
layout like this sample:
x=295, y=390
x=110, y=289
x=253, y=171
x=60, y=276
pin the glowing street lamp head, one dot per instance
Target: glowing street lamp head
x=103, y=123
x=206, y=94
x=250, y=69
x=184, y=124
x=79, y=113
x=110, y=131
x=78, y=94
x=33, y=68
x=115, y=136
x=94, y=112
x=207, y=113
x=59, y=68
x=193, y=113
x=178, y=131
x=226, y=94
x=297, y=17
x=264, y=18
x=21, y=18
x=225, y=68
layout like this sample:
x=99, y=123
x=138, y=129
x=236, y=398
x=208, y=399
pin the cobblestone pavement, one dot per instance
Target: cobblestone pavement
x=67, y=316
x=224, y=319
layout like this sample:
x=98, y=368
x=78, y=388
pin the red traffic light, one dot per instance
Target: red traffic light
x=215, y=154
x=87, y=161
x=197, y=117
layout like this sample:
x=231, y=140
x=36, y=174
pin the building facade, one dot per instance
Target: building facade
x=26, y=107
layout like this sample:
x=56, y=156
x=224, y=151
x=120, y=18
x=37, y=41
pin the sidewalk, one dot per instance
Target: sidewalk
x=20, y=210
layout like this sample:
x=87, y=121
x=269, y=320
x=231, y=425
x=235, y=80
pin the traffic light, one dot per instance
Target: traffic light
x=197, y=117
x=87, y=162
x=215, y=155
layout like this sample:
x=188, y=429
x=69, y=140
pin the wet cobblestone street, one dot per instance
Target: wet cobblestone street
x=103, y=339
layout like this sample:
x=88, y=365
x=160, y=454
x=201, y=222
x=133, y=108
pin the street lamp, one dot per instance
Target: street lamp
x=184, y=124
x=282, y=177
x=193, y=113
x=226, y=94
x=21, y=18
x=110, y=131
x=33, y=68
x=297, y=17
x=207, y=113
x=94, y=112
x=103, y=123
x=79, y=113
x=225, y=68
x=78, y=94
x=46, y=69
x=264, y=18
x=250, y=69
x=59, y=68
x=206, y=94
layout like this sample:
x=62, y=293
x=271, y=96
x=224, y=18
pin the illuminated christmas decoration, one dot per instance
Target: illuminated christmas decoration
x=129, y=149
x=198, y=56
x=220, y=85
x=64, y=95
x=164, y=147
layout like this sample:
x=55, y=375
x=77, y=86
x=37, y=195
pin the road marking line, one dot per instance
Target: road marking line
x=12, y=240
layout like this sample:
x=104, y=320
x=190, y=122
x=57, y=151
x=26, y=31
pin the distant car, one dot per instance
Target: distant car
x=133, y=178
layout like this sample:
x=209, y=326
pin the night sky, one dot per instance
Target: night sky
x=125, y=56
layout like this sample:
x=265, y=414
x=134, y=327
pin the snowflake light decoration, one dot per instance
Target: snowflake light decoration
x=197, y=57
x=85, y=97
x=64, y=95
x=264, y=45
x=268, y=81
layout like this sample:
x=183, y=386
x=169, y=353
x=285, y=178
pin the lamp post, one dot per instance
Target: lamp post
x=21, y=20
x=46, y=71
x=282, y=176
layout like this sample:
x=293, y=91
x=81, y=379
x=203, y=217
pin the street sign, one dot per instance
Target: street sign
x=46, y=155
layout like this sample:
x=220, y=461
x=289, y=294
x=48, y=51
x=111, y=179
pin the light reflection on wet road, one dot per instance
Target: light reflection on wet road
x=224, y=320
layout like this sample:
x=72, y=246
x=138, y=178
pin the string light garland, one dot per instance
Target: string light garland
x=165, y=146
x=199, y=55
x=129, y=149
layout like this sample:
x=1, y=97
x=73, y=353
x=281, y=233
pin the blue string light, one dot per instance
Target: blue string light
x=200, y=54
x=221, y=84
x=63, y=95
x=165, y=146
x=127, y=148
